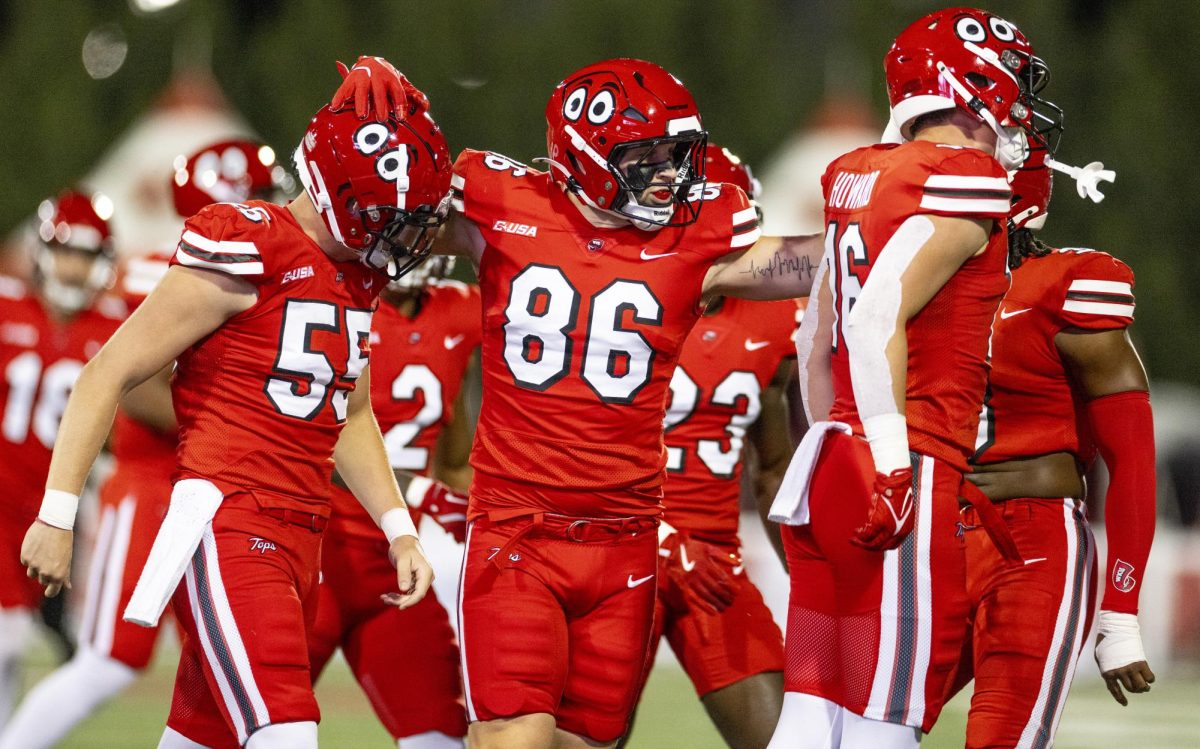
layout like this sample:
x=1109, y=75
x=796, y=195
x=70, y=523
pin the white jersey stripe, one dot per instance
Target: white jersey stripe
x=885, y=663
x=962, y=182
x=202, y=242
x=746, y=238
x=457, y=204
x=923, y=530
x=233, y=269
x=1098, y=308
x=462, y=635
x=91, y=602
x=966, y=206
x=1103, y=287
x=223, y=687
x=114, y=576
x=744, y=215
x=457, y=180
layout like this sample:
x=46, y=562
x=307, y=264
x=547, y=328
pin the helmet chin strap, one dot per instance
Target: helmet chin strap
x=1012, y=146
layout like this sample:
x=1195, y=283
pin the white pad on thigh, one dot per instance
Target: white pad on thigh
x=807, y=722
x=429, y=740
x=285, y=736
x=172, y=739
x=859, y=731
x=64, y=698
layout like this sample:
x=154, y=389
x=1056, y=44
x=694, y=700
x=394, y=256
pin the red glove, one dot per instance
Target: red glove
x=443, y=505
x=891, y=516
x=374, y=83
x=704, y=572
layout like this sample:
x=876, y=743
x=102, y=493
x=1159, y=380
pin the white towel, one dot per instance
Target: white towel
x=791, y=501
x=194, y=502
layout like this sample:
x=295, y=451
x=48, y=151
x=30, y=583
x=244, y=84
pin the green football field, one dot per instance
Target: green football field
x=670, y=715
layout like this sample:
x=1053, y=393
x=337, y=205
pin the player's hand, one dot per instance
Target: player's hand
x=414, y=574
x=373, y=85
x=448, y=509
x=704, y=572
x=1120, y=656
x=891, y=515
x=46, y=552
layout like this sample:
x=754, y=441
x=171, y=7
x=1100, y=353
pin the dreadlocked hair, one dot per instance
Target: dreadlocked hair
x=1022, y=244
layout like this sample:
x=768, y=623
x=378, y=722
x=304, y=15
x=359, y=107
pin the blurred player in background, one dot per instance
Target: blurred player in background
x=916, y=249
x=1065, y=383
x=48, y=330
x=134, y=498
x=591, y=278
x=424, y=339
x=728, y=387
x=267, y=311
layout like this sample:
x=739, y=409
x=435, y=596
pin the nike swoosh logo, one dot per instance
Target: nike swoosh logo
x=451, y=342
x=1031, y=561
x=688, y=565
x=634, y=583
x=649, y=256
x=1005, y=314
x=756, y=345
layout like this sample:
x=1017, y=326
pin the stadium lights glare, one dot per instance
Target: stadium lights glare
x=152, y=6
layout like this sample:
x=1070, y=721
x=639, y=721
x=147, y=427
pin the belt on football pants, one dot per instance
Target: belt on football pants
x=993, y=524
x=579, y=530
x=314, y=523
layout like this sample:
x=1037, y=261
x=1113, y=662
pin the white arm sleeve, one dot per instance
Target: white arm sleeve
x=869, y=328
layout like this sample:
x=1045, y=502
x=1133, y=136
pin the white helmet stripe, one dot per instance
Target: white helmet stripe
x=578, y=141
x=314, y=187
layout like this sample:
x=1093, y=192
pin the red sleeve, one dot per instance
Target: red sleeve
x=473, y=308
x=1123, y=427
x=964, y=182
x=1098, y=294
x=744, y=230
x=476, y=190
x=787, y=322
x=221, y=238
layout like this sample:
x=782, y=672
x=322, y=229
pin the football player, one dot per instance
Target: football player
x=728, y=387
x=424, y=339
x=133, y=500
x=48, y=330
x=895, y=365
x=1065, y=382
x=266, y=311
x=591, y=275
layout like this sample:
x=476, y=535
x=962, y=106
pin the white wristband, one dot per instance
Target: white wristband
x=58, y=509
x=1122, y=643
x=887, y=434
x=395, y=523
x=414, y=495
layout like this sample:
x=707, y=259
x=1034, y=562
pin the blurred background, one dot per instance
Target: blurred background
x=107, y=92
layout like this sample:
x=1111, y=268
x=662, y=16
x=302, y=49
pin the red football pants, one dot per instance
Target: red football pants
x=717, y=650
x=554, y=625
x=1029, y=621
x=876, y=632
x=247, y=600
x=132, y=505
x=405, y=661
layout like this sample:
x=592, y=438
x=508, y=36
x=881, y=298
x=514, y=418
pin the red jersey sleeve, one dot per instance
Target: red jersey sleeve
x=963, y=182
x=475, y=191
x=1098, y=294
x=745, y=230
x=221, y=237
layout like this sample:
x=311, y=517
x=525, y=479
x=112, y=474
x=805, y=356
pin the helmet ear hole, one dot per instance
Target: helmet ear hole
x=978, y=80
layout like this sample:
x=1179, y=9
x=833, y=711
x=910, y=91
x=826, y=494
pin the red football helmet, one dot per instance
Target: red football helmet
x=980, y=63
x=615, y=128
x=231, y=171
x=722, y=165
x=73, y=222
x=382, y=188
x=1031, y=186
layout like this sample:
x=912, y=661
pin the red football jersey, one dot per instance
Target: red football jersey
x=581, y=331
x=869, y=193
x=1031, y=408
x=41, y=359
x=727, y=362
x=417, y=369
x=134, y=444
x=262, y=399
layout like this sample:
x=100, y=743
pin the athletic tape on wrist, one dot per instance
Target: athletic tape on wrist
x=58, y=509
x=395, y=523
x=887, y=434
x=1122, y=643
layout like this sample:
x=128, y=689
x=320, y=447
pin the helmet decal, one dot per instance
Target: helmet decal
x=574, y=104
